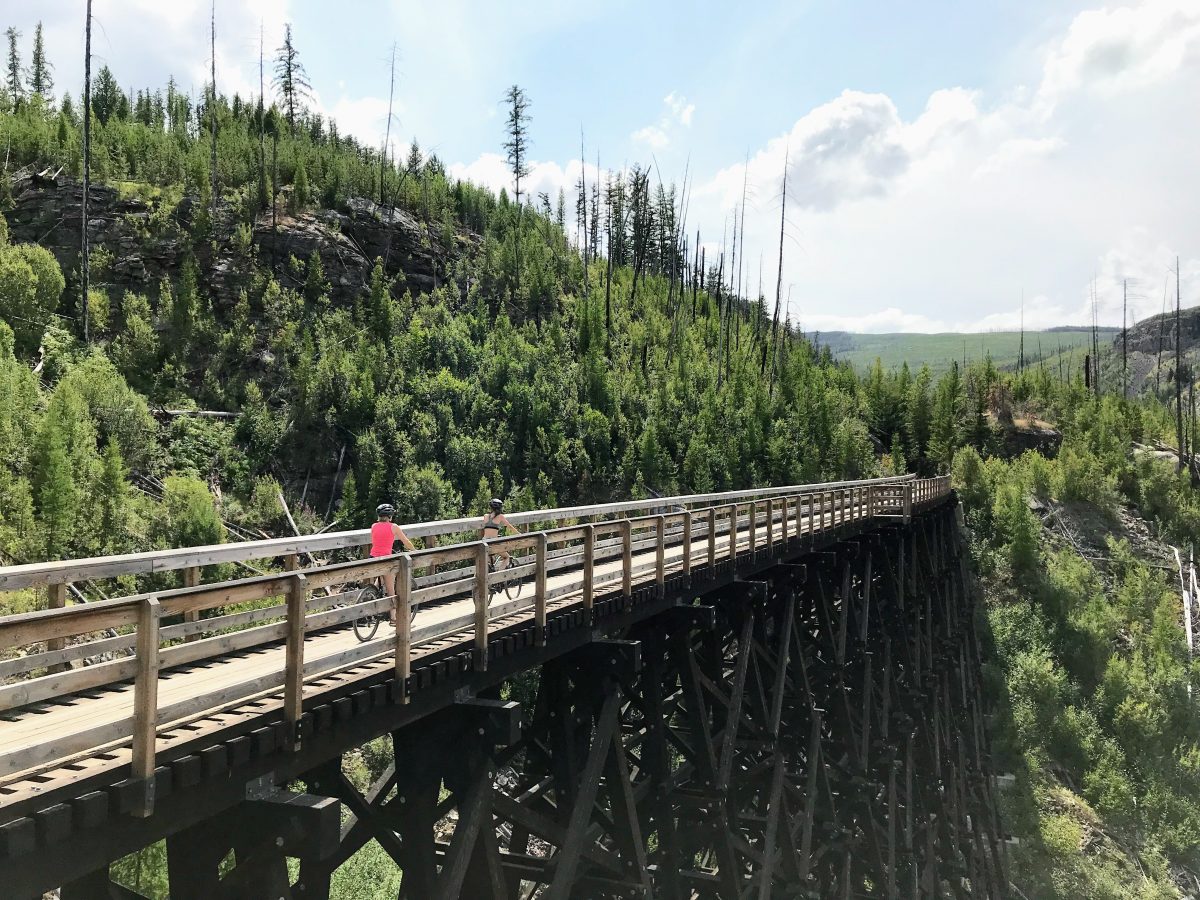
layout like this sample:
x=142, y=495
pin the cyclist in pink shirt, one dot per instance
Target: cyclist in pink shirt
x=384, y=534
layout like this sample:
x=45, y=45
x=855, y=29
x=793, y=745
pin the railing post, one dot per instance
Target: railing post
x=687, y=546
x=191, y=578
x=540, y=549
x=660, y=553
x=800, y=515
x=712, y=538
x=482, y=592
x=627, y=558
x=56, y=599
x=145, y=704
x=753, y=507
x=291, y=562
x=770, y=540
x=293, y=680
x=908, y=501
x=403, y=625
x=589, y=567
x=733, y=530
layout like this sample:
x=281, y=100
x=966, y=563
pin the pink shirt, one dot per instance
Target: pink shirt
x=382, y=539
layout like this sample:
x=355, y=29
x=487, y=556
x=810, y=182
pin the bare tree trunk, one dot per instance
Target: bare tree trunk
x=262, y=114
x=1125, y=339
x=1162, y=327
x=87, y=169
x=1178, y=369
x=274, y=191
x=387, y=132
x=608, y=292
x=212, y=120
x=696, y=275
x=779, y=277
x=583, y=204
x=745, y=178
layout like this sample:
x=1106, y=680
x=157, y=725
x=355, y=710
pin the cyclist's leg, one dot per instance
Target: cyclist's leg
x=389, y=587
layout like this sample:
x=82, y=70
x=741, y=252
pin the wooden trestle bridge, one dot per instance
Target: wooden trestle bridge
x=769, y=693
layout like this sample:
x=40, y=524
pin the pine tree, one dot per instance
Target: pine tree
x=183, y=309
x=40, y=81
x=413, y=164
x=106, y=96
x=316, y=288
x=56, y=497
x=290, y=78
x=299, y=188
x=113, y=495
x=15, y=90
x=516, y=146
x=381, y=306
x=947, y=415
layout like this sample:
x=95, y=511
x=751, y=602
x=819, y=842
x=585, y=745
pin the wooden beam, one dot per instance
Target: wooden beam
x=687, y=546
x=660, y=553
x=57, y=599
x=482, y=594
x=626, y=558
x=145, y=703
x=403, y=648
x=540, y=551
x=589, y=567
x=293, y=683
x=191, y=578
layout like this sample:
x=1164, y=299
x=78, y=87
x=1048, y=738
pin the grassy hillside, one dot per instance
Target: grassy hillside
x=940, y=350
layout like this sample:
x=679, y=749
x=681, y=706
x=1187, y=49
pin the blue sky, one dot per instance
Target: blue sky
x=943, y=156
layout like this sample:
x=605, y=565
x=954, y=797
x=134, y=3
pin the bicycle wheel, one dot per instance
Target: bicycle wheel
x=512, y=584
x=365, y=626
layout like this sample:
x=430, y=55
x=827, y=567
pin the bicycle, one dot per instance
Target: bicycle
x=367, y=624
x=506, y=582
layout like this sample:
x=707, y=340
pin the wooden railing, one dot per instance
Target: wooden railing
x=587, y=559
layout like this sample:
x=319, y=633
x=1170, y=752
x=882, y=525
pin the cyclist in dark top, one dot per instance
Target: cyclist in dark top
x=494, y=525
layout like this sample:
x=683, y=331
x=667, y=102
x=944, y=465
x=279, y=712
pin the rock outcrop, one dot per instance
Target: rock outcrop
x=48, y=212
x=138, y=242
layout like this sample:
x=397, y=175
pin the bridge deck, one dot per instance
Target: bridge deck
x=91, y=735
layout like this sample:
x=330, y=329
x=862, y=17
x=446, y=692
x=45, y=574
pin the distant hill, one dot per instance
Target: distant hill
x=940, y=349
x=1150, y=360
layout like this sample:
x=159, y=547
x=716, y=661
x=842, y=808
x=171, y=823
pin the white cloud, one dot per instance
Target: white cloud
x=1015, y=150
x=928, y=222
x=1117, y=49
x=679, y=108
x=652, y=136
x=677, y=114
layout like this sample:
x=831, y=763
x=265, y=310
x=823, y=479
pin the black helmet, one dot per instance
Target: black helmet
x=385, y=510
x=496, y=504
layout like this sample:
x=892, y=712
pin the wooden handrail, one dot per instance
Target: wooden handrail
x=67, y=571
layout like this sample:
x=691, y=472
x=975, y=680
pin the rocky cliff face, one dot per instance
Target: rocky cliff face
x=1144, y=337
x=147, y=241
x=48, y=212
